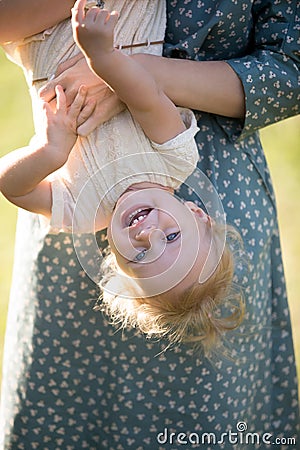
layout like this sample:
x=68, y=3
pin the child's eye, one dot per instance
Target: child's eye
x=140, y=256
x=172, y=236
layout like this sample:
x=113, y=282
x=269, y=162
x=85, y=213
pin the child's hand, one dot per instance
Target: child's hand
x=93, y=30
x=61, y=125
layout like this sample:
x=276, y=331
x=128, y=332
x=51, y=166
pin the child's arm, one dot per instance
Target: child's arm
x=23, y=173
x=93, y=32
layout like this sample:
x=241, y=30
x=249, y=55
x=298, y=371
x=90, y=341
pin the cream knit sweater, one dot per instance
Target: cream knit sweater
x=117, y=154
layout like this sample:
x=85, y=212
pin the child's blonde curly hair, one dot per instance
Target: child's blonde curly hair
x=200, y=316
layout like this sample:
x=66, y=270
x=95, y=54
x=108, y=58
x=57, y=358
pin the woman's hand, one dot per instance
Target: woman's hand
x=101, y=102
x=197, y=85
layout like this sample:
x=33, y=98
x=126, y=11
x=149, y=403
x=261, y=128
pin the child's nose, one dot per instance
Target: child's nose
x=143, y=235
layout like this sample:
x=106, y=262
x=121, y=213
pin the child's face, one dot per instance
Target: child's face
x=158, y=240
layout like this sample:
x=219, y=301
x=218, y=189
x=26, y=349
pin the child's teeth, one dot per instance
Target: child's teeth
x=132, y=220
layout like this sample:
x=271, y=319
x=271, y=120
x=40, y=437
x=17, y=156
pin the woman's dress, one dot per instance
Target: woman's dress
x=72, y=381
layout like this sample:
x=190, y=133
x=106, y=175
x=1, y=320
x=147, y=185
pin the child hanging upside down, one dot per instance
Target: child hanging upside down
x=173, y=270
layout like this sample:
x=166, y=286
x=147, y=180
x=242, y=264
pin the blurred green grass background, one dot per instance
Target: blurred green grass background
x=282, y=146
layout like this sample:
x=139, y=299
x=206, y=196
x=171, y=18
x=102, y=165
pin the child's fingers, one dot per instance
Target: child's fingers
x=48, y=115
x=61, y=101
x=114, y=15
x=97, y=16
x=46, y=108
x=78, y=13
x=104, y=17
x=106, y=20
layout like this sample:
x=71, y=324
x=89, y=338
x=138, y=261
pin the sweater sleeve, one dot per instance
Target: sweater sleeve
x=62, y=207
x=180, y=154
x=270, y=71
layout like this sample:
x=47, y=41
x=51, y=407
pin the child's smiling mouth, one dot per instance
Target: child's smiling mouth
x=137, y=216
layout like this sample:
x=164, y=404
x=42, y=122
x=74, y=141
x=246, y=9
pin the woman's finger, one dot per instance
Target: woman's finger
x=78, y=103
x=102, y=113
x=69, y=63
x=86, y=112
x=70, y=75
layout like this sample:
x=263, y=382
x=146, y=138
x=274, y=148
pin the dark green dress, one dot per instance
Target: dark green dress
x=71, y=381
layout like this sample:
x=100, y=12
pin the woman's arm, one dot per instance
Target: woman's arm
x=261, y=87
x=19, y=18
x=270, y=71
x=209, y=86
x=206, y=86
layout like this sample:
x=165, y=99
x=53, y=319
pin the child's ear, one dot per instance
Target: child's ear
x=197, y=211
